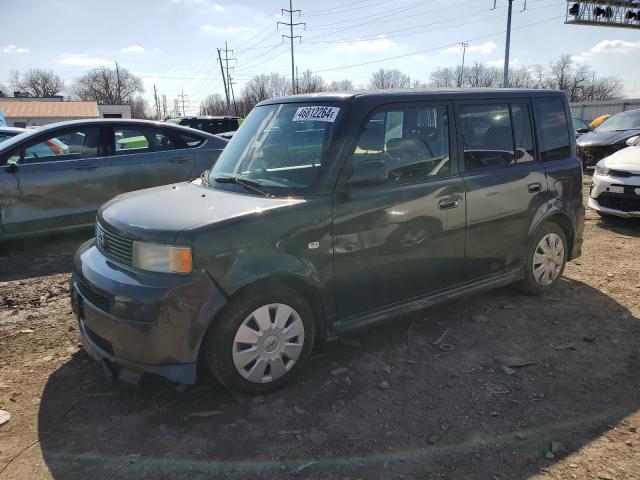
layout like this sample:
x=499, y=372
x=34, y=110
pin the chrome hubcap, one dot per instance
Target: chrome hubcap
x=548, y=259
x=268, y=343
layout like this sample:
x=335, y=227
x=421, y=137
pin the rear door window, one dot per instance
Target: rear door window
x=487, y=136
x=522, y=132
x=130, y=140
x=553, y=129
x=72, y=144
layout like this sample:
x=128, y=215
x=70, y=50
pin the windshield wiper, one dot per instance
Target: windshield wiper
x=247, y=184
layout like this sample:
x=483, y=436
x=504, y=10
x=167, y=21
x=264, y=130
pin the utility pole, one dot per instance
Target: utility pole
x=155, y=95
x=505, y=80
x=229, y=81
x=464, y=51
x=118, y=84
x=182, y=96
x=291, y=37
x=224, y=79
x=164, y=105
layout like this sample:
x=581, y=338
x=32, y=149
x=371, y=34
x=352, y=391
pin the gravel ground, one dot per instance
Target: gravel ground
x=495, y=386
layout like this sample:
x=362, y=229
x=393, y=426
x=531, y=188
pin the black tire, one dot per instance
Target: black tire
x=219, y=340
x=529, y=284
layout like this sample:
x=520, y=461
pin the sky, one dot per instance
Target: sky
x=172, y=44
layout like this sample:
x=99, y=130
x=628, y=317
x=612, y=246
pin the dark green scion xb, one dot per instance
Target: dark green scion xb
x=327, y=213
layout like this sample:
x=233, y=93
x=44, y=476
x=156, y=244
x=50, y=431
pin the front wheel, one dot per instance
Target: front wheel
x=545, y=259
x=261, y=340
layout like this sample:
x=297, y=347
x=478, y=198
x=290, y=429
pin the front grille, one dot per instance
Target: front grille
x=113, y=245
x=620, y=201
x=621, y=173
x=592, y=155
x=97, y=299
x=98, y=340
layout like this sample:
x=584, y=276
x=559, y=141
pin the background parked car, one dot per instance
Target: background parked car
x=580, y=126
x=8, y=132
x=56, y=177
x=614, y=189
x=208, y=124
x=609, y=137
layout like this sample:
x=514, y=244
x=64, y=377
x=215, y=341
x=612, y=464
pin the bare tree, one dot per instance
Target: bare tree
x=37, y=82
x=263, y=87
x=522, y=77
x=140, y=107
x=310, y=83
x=480, y=75
x=444, y=77
x=108, y=85
x=393, y=78
x=214, y=104
x=340, y=86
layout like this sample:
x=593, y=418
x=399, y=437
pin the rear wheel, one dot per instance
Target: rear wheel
x=261, y=340
x=545, y=259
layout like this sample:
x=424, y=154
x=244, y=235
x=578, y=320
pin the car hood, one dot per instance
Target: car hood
x=627, y=160
x=159, y=214
x=596, y=138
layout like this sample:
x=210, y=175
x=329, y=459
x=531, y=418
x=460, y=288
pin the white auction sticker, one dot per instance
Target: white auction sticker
x=317, y=114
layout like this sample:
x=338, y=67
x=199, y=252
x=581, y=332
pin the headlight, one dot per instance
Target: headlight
x=162, y=258
x=601, y=169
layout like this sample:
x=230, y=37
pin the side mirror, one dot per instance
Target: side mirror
x=368, y=173
x=633, y=140
x=583, y=130
x=11, y=168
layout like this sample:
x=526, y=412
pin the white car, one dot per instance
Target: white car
x=615, y=189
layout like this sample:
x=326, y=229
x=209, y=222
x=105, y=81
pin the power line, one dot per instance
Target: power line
x=344, y=67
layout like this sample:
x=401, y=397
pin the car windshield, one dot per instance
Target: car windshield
x=621, y=121
x=279, y=148
x=577, y=123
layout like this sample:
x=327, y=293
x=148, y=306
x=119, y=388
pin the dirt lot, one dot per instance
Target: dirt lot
x=470, y=410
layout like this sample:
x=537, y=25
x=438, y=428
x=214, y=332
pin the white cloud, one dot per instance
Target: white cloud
x=615, y=46
x=607, y=46
x=11, y=48
x=218, y=8
x=376, y=45
x=83, y=60
x=483, y=48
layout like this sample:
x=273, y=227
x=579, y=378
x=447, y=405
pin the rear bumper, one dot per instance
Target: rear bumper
x=139, y=322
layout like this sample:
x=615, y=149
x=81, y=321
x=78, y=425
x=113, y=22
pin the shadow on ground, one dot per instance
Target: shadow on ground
x=40, y=256
x=453, y=412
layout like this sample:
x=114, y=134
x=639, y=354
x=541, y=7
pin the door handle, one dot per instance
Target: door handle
x=534, y=187
x=179, y=160
x=448, y=203
x=88, y=167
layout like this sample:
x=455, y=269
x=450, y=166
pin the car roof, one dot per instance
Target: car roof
x=102, y=121
x=12, y=129
x=391, y=95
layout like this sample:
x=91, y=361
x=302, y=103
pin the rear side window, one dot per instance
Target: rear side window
x=553, y=129
x=130, y=140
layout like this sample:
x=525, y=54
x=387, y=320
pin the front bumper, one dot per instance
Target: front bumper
x=141, y=322
x=619, y=196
